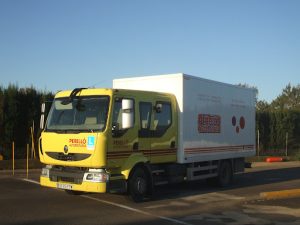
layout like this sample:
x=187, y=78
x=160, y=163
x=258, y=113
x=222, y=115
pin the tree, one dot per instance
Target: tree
x=10, y=109
x=279, y=118
x=288, y=100
x=19, y=107
x=262, y=106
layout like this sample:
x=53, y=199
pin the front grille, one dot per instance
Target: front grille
x=67, y=179
x=68, y=175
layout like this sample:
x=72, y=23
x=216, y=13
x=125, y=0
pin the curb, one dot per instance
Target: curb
x=281, y=194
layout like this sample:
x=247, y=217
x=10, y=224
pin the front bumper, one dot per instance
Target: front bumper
x=85, y=186
x=75, y=179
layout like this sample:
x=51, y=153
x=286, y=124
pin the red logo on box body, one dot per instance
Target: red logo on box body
x=209, y=123
x=76, y=142
x=242, y=123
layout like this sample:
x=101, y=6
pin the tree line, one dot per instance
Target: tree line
x=278, y=122
x=19, y=111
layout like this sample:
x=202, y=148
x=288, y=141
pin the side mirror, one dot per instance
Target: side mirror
x=158, y=108
x=127, y=113
x=42, y=119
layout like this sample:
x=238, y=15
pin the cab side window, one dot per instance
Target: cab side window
x=162, y=118
x=145, y=109
x=117, y=114
x=117, y=130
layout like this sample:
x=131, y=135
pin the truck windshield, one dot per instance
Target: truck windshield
x=84, y=113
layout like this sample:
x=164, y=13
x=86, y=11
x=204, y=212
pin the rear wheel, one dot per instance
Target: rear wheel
x=139, y=185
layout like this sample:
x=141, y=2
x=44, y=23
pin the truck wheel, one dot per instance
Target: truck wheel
x=138, y=185
x=225, y=174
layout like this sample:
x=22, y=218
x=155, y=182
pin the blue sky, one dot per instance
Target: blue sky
x=64, y=44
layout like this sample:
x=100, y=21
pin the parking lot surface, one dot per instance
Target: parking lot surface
x=24, y=201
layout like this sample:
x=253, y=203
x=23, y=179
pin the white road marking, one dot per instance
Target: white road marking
x=124, y=207
x=31, y=181
x=136, y=210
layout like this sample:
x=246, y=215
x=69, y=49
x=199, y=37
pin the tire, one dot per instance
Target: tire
x=139, y=185
x=225, y=174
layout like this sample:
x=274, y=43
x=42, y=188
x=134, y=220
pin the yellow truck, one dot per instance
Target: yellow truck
x=144, y=132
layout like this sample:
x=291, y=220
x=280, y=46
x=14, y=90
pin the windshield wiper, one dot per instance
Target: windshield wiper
x=72, y=96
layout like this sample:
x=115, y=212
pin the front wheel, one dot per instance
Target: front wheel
x=139, y=185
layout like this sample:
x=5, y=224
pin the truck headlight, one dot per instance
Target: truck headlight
x=97, y=176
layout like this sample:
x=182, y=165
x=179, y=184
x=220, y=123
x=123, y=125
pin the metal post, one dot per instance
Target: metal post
x=258, y=143
x=13, y=157
x=27, y=156
x=32, y=143
x=286, y=143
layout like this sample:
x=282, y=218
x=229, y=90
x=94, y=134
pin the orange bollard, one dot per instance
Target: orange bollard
x=274, y=159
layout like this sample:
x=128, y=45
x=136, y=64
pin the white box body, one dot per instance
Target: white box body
x=216, y=121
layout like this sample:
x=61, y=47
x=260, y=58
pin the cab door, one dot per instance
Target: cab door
x=163, y=132
x=144, y=134
x=122, y=142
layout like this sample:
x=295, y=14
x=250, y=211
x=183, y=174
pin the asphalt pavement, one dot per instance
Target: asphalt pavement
x=24, y=201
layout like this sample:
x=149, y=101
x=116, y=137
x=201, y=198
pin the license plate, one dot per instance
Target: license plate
x=64, y=186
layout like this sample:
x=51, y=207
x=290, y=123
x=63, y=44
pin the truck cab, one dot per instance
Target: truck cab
x=95, y=140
